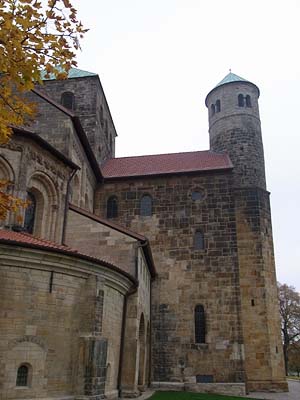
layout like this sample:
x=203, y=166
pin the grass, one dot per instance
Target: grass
x=296, y=378
x=191, y=396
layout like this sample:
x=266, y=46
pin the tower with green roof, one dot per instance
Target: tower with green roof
x=83, y=95
x=234, y=128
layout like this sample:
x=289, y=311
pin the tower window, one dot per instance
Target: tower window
x=241, y=100
x=248, y=101
x=112, y=207
x=68, y=100
x=199, y=240
x=22, y=375
x=212, y=109
x=146, y=206
x=30, y=213
x=218, y=106
x=199, y=324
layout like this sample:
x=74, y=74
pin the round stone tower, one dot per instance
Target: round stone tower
x=234, y=128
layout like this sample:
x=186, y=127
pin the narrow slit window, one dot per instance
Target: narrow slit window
x=112, y=207
x=199, y=240
x=218, y=106
x=241, y=100
x=101, y=116
x=146, y=206
x=212, y=109
x=30, y=213
x=199, y=324
x=248, y=101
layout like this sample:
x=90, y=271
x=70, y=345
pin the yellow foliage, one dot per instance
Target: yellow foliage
x=34, y=36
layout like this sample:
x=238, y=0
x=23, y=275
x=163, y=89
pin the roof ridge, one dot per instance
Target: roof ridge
x=104, y=221
x=164, y=154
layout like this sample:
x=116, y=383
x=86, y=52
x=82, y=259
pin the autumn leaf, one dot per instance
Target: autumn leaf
x=34, y=37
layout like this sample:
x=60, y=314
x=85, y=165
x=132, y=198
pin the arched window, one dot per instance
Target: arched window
x=218, y=106
x=22, y=375
x=248, y=101
x=199, y=240
x=241, y=100
x=68, y=100
x=212, y=109
x=199, y=324
x=112, y=207
x=146, y=206
x=30, y=213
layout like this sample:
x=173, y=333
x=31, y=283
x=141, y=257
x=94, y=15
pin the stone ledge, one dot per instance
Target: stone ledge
x=268, y=386
x=236, y=389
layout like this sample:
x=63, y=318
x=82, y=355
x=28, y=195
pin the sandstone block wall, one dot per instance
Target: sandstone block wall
x=259, y=299
x=89, y=99
x=97, y=240
x=60, y=132
x=32, y=168
x=40, y=328
x=62, y=317
x=186, y=276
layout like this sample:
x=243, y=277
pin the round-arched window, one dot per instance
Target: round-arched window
x=23, y=375
x=30, y=213
x=68, y=100
x=112, y=207
x=146, y=206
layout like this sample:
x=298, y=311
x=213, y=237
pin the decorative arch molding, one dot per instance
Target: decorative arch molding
x=47, y=204
x=28, y=338
x=6, y=170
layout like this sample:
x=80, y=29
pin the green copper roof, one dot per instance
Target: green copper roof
x=231, y=78
x=73, y=73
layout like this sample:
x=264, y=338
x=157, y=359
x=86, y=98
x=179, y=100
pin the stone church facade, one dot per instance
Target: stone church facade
x=136, y=271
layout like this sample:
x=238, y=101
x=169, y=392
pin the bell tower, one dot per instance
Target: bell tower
x=234, y=128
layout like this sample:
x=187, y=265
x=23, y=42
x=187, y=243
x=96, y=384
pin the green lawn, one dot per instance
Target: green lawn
x=191, y=396
x=297, y=378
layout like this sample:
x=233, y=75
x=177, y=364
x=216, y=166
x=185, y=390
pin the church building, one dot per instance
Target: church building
x=130, y=272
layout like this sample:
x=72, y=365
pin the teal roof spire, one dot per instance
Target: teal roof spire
x=231, y=77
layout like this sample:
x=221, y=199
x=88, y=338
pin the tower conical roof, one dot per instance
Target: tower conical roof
x=231, y=77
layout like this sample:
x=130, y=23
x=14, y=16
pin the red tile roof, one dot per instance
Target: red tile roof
x=27, y=240
x=161, y=164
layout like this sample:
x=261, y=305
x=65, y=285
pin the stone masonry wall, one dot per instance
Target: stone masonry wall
x=59, y=131
x=186, y=276
x=89, y=99
x=97, y=240
x=37, y=170
x=40, y=321
x=260, y=309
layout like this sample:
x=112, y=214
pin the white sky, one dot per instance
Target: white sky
x=157, y=60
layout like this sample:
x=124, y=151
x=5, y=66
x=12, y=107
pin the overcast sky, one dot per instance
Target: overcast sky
x=157, y=60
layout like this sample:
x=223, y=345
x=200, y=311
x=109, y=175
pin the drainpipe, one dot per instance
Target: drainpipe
x=63, y=236
x=131, y=291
